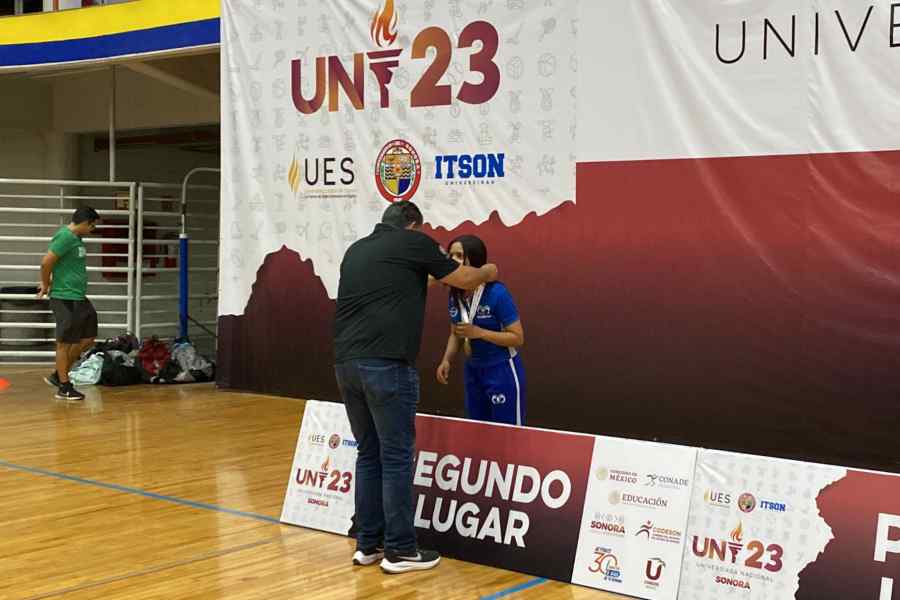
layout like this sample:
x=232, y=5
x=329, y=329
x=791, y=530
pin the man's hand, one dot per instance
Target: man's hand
x=469, y=278
x=443, y=372
x=492, y=271
x=46, y=282
x=468, y=331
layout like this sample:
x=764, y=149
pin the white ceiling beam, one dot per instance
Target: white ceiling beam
x=173, y=80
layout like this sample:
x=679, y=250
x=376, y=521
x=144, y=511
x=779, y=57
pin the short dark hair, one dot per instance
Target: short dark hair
x=402, y=214
x=473, y=249
x=85, y=213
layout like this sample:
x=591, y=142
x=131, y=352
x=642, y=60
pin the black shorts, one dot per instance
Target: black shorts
x=76, y=320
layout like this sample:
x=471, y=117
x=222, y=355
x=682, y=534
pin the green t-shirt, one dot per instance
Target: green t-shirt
x=70, y=272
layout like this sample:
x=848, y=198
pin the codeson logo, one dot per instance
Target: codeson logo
x=658, y=534
x=468, y=169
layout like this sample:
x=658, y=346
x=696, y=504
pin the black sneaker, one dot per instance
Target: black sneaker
x=67, y=391
x=422, y=560
x=365, y=558
x=53, y=380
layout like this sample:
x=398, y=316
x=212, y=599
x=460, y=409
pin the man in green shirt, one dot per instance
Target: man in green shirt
x=64, y=278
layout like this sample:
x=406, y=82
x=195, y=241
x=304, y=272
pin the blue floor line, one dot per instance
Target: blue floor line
x=516, y=588
x=139, y=492
x=202, y=505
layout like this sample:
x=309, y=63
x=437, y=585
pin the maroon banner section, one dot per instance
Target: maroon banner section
x=863, y=511
x=283, y=343
x=501, y=496
x=738, y=303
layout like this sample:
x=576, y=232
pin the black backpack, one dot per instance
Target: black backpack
x=115, y=372
x=124, y=343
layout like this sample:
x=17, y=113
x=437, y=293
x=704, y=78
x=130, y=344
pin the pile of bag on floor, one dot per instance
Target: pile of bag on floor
x=126, y=361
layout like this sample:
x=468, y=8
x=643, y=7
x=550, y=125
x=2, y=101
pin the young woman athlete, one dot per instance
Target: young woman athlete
x=486, y=324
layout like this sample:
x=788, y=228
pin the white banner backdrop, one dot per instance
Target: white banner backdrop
x=694, y=78
x=330, y=110
x=635, y=516
x=320, y=488
x=754, y=525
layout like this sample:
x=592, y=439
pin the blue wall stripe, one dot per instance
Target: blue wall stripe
x=516, y=588
x=182, y=35
x=139, y=492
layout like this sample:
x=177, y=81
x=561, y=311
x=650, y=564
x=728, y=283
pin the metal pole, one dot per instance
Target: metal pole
x=129, y=304
x=112, y=123
x=183, y=252
x=183, y=286
x=138, y=291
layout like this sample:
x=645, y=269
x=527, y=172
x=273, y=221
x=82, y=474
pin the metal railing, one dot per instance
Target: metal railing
x=159, y=213
x=133, y=260
x=39, y=208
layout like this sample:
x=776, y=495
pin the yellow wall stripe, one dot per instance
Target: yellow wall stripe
x=104, y=20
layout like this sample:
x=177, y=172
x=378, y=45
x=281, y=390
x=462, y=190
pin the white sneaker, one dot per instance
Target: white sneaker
x=420, y=561
x=364, y=559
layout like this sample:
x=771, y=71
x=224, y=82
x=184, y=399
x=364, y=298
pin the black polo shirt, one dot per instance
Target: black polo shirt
x=381, y=295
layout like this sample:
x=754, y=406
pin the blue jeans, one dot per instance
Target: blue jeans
x=380, y=397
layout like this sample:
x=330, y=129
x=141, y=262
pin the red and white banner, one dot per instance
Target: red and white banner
x=331, y=110
x=766, y=528
x=602, y=512
x=613, y=514
x=733, y=252
x=505, y=496
x=320, y=488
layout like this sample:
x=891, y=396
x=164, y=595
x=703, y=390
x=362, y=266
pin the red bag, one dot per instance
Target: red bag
x=153, y=356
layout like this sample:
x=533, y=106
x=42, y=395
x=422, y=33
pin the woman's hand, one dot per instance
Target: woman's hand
x=468, y=331
x=443, y=372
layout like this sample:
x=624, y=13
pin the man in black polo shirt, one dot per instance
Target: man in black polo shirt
x=377, y=332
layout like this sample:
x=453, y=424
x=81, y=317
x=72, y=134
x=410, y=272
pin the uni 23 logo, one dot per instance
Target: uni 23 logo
x=338, y=481
x=331, y=73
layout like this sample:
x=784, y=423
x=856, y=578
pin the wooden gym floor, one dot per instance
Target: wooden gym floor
x=174, y=492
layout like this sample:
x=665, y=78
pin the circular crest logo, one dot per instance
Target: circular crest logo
x=615, y=497
x=747, y=502
x=398, y=171
x=334, y=441
x=602, y=473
